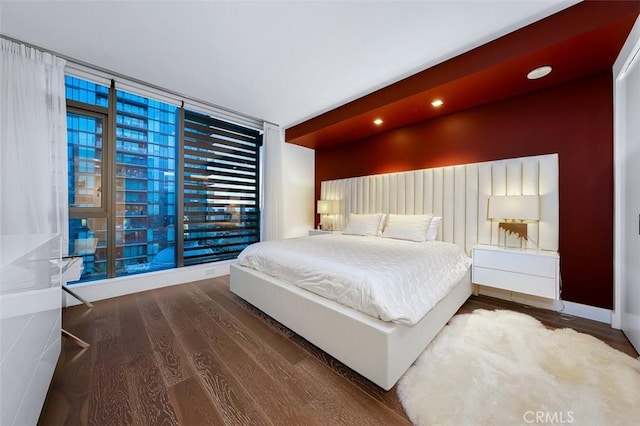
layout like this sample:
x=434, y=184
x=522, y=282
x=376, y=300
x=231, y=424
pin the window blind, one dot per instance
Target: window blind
x=221, y=213
x=223, y=114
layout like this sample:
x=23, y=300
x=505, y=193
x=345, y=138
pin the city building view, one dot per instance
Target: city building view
x=123, y=198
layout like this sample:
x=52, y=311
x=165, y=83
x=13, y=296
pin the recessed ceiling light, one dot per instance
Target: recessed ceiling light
x=378, y=121
x=437, y=103
x=539, y=72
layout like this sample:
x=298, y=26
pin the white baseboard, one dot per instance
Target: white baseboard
x=587, y=311
x=104, y=289
x=566, y=307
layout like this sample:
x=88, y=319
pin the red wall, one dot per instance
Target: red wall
x=574, y=119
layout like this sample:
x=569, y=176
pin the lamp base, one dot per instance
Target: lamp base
x=518, y=228
x=326, y=222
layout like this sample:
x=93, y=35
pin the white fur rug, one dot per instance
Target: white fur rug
x=506, y=368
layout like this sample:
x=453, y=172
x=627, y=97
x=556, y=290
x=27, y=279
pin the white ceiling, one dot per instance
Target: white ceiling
x=282, y=61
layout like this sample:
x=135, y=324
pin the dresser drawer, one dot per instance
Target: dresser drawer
x=522, y=283
x=523, y=263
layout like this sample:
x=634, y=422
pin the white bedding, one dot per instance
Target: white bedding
x=393, y=280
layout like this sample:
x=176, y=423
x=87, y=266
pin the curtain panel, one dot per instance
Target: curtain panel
x=272, y=223
x=33, y=154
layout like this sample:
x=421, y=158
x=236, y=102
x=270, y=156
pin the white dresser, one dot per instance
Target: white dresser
x=534, y=272
x=30, y=307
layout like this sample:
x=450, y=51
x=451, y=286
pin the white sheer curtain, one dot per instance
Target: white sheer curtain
x=33, y=138
x=272, y=210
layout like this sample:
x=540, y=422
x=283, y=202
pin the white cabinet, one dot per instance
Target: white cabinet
x=534, y=272
x=30, y=321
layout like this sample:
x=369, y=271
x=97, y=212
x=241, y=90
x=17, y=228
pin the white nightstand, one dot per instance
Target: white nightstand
x=534, y=272
x=313, y=232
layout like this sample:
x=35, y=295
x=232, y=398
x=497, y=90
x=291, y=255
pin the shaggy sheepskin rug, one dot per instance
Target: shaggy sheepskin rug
x=506, y=368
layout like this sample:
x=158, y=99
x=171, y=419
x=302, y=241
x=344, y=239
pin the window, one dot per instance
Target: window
x=87, y=134
x=221, y=214
x=145, y=187
x=88, y=238
x=125, y=205
x=84, y=141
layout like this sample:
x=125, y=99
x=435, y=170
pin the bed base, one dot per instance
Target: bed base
x=380, y=351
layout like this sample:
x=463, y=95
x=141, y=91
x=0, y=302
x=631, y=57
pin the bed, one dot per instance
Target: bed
x=335, y=304
x=383, y=350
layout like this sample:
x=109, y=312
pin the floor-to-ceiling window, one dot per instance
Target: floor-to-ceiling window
x=87, y=124
x=154, y=186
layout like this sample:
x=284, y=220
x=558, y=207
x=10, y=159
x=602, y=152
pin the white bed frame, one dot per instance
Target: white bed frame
x=379, y=350
x=382, y=351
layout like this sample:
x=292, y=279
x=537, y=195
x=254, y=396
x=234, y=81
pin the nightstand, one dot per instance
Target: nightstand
x=313, y=232
x=534, y=272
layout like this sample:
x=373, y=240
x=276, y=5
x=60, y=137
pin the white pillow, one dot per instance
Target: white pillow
x=432, y=231
x=407, y=227
x=363, y=224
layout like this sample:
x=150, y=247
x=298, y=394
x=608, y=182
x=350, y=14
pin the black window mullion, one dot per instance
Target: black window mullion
x=111, y=179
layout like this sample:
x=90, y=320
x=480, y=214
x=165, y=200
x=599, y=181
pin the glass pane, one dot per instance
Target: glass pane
x=146, y=132
x=86, y=91
x=84, y=134
x=88, y=238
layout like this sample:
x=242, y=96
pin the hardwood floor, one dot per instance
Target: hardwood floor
x=195, y=354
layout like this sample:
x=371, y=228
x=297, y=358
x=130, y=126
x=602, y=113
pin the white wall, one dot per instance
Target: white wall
x=299, y=178
x=627, y=190
x=631, y=213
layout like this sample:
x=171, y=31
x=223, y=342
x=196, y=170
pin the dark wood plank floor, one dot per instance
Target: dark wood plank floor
x=195, y=354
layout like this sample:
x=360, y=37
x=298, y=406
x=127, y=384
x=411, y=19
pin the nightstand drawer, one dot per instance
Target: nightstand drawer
x=523, y=263
x=521, y=283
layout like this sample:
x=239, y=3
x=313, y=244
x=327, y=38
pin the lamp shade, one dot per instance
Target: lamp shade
x=521, y=207
x=325, y=207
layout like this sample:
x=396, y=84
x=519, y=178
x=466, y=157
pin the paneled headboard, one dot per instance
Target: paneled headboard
x=460, y=195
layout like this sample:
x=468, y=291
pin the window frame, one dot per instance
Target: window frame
x=101, y=113
x=108, y=195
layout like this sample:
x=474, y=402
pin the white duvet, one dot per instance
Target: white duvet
x=393, y=280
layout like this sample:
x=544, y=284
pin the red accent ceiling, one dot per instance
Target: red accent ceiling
x=577, y=41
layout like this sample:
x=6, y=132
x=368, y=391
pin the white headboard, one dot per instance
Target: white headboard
x=460, y=195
